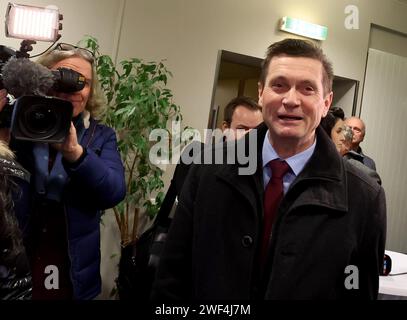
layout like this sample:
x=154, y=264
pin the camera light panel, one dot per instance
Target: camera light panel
x=32, y=23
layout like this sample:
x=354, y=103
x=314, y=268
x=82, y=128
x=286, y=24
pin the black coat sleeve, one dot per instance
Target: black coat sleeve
x=174, y=274
x=373, y=247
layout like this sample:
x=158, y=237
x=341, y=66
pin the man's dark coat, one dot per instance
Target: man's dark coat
x=327, y=241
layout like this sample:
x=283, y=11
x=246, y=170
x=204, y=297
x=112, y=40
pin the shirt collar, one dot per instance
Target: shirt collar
x=296, y=162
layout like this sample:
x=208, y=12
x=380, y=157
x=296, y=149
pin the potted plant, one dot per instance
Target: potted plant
x=138, y=102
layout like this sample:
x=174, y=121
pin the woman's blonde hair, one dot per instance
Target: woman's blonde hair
x=96, y=103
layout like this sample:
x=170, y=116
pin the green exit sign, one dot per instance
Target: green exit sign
x=303, y=28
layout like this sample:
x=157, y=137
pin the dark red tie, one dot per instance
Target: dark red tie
x=272, y=196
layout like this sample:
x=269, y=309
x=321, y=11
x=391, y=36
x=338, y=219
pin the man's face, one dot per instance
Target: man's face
x=243, y=120
x=293, y=101
x=358, y=130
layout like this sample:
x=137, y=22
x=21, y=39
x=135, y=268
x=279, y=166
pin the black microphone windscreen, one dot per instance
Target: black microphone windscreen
x=23, y=77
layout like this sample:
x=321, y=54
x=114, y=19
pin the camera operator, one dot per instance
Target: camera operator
x=71, y=183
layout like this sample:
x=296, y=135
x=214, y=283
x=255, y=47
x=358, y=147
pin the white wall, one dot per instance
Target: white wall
x=385, y=40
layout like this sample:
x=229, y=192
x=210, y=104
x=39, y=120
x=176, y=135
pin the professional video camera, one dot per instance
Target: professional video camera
x=34, y=115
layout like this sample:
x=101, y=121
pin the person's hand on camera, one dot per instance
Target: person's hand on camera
x=71, y=150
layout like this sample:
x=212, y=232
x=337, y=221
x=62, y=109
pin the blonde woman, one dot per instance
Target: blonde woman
x=72, y=183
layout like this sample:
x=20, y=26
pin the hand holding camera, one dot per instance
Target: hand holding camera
x=71, y=150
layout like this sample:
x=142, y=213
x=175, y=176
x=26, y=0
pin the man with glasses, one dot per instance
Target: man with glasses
x=359, y=130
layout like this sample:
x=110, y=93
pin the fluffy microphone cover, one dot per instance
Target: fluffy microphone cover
x=23, y=77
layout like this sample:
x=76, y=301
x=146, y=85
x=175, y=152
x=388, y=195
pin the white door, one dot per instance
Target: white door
x=384, y=110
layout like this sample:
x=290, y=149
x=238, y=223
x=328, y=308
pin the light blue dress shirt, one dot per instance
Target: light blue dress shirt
x=296, y=162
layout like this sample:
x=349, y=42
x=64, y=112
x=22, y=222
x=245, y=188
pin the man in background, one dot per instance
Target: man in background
x=240, y=116
x=359, y=130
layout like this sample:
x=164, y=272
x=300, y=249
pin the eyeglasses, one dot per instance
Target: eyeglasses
x=70, y=47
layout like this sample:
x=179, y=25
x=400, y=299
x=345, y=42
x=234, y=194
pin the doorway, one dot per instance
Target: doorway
x=238, y=74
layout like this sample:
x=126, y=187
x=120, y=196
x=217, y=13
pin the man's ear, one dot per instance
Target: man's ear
x=327, y=103
x=225, y=126
x=260, y=88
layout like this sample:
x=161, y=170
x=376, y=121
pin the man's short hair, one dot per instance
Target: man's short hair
x=246, y=102
x=299, y=48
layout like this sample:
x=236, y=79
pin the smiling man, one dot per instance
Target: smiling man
x=305, y=225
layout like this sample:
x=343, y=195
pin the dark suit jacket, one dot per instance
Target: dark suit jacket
x=367, y=161
x=357, y=159
x=333, y=216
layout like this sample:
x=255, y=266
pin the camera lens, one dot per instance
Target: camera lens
x=40, y=120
